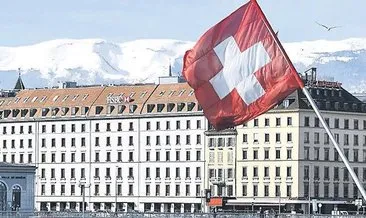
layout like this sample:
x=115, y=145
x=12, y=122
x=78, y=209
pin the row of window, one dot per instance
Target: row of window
x=346, y=138
x=21, y=158
x=267, y=191
x=307, y=123
x=118, y=173
x=158, y=191
x=267, y=154
x=266, y=172
x=177, y=125
x=336, y=173
x=177, y=140
x=158, y=174
x=256, y=138
x=314, y=154
x=168, y=156
x=328, y=193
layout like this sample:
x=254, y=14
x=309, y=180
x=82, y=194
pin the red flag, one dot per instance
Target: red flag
x=239, y=69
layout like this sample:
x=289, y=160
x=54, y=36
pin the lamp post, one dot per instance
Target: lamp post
x=82, y=186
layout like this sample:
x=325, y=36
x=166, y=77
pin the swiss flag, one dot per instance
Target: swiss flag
x=239, y=69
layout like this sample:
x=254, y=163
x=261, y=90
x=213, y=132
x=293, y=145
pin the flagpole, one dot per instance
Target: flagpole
x=344, y=159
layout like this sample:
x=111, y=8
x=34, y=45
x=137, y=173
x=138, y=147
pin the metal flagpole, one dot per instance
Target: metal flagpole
x=326, y=127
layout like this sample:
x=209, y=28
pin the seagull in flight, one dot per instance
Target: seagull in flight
x=328, y=28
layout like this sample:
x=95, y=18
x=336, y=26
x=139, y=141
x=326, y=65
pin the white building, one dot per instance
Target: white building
x=149, y=148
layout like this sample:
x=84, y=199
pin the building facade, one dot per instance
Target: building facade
x=149, y=148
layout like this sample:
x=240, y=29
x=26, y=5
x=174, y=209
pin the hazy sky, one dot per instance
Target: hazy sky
x=30, y=21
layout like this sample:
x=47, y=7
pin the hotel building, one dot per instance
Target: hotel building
x=148, y=147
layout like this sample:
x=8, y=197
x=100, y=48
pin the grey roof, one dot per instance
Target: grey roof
x=16, y=165
x=19, y=85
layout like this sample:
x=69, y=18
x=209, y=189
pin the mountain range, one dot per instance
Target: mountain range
x=97, y=61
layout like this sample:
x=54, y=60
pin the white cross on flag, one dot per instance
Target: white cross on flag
x=239, y=69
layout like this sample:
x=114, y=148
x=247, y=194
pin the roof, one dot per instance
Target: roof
x=99, y=101
x=19, y=85
x=16, y=167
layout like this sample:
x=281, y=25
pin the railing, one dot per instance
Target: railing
x=50, y=214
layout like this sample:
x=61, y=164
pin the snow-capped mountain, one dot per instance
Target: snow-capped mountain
x=91, y=61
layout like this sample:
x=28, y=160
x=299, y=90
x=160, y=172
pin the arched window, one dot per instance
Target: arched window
x=16, y=198
x=3, y=201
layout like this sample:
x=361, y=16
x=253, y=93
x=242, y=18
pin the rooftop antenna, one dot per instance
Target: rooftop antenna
x=170, y=68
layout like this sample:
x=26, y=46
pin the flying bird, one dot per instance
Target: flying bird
x=326, y=27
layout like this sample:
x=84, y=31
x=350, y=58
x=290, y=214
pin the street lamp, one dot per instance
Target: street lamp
x=82, y=186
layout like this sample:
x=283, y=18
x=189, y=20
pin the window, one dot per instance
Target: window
x=198, y=155
x=188, y=155
x=255, y=154
x=355, y=140
x=289, y=121
x=157, y=140
x=316, y=138
x=96, y=157
x=108, y=156
x=245, y=190
x=278, y=172
x=289, y=174
x=157, y=125
x=130, y=156
x=266, y=190
x=266, y=172
x=266, y=122
x=346, y=139
x=255, y=171
x=278, y=121
x=355, y=155
x=278, y=138
x=355, y=124
x=316, y=122
x=245, y=154
x=289, y=154
x=255, y=190
x=188, y=124
x=245, y=172
x=198, y=140
x=178, y=124
x=326, y=154
x=278, y=154
x=157, y=155
x=188, y=139
x=277, y=190
x=316, y=153
x=255, y=122
x=130, y=141
x=177, y=190
x=288, y=190
x=346, y=124
x=336, y=123
x=307, y=121
x=306, y=153
x=147, y=155
x=289, y=137
x=306, y=172
x=130, y=126
x=336, y=173
x=266, y=154
x=167, y=125
x=198, y=124
x=167, y=155
x=245, y=138
x=316, y=173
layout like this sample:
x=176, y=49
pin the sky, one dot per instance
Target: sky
x=24, y=22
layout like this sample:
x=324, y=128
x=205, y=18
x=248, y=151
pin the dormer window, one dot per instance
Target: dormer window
x=132, y=108
x=65, y=98
x=84, y=110
x=180, y=106
x=64, y=111
x=45, y=111
x=191, y=93
x=23, y=112
x=161, y=93
x=190, y=106
x=85, y=97
x=25, y=100
x=55, y=98
x=150, y=107
x=55, y=111
x=181, y=92
x=132, y=94
x=16, y=100
x=98, y=110
x=143, y=94
x=34, y=99
x=33, y=111
x=170, y=107
x=15, y=112
x=74, y=110
x=171, y=93
x=160, y=107
x=43, y=99
x=110, y=109
x=121, y=108
x=75, y=97
x=1, y=102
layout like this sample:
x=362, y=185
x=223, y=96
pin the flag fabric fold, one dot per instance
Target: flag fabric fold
x=239, y=69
